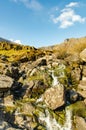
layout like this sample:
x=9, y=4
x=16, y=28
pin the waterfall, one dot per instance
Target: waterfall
x=52, y=124
x=46, y=117
x=55, y=80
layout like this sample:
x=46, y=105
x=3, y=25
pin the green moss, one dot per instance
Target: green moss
x=10, y=109
x=78, y=109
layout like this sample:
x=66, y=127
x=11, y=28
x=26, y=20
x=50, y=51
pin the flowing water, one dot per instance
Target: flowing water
x=52, y=124
x=55, y=80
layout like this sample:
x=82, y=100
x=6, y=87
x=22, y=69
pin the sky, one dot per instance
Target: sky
x=42, y=22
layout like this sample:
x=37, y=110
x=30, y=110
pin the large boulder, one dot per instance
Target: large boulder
x=54, y=97
x=5, y=82
x=83, y=55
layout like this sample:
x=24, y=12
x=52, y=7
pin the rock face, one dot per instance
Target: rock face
x=54, y=97
x=5, y=82
x=83, y=55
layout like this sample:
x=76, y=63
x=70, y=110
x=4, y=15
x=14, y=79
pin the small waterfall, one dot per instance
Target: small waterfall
x=52, y=124
x=55, y=80
x=39, y=99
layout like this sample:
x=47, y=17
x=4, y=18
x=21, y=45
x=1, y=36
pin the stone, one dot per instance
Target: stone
x=43, y=62
x=5, y=82
x=83, y=55
x=72, y=96
x=82, y=88
x=84, y=71
x=24, y=59
x=76, y=73
x=28, y=108
x=19, y=120
x=54, y=97
x=80, y=123
x=6, y=126
x=8, y=101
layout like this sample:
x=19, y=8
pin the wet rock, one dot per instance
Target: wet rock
x=83, y=55
x=72, y=96
x=54, y=97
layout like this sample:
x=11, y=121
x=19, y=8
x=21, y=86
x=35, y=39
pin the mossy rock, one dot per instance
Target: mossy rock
x=78, y=109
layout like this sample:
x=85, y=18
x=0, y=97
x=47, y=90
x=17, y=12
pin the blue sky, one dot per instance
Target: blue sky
x=42, y=22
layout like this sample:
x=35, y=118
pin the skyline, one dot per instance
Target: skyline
x=39, y=23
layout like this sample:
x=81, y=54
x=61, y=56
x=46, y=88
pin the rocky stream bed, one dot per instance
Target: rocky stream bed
x=43, y=94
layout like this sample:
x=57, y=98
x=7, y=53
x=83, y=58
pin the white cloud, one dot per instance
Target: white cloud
x=31, y=4
x=73, y=4
x=68, y=17
x=16, y=41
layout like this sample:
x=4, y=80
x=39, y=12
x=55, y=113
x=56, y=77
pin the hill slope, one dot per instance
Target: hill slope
x=43, y=88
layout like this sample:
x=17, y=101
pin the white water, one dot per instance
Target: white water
x=54, y=83
x=55, y=80
x=39, y=99
x=52, y=124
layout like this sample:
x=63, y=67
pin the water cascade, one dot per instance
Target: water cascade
x=52, y=124
x=55, y=80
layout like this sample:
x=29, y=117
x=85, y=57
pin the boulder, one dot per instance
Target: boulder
x=76, y=74
x=83, y=55
x=54, y=97
x=82, y=88
x=72, y=96
x=8, y=101
x=84, y=71
x=80, y=123
x=5, y=82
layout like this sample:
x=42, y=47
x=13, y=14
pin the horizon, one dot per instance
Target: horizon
x=39, y=23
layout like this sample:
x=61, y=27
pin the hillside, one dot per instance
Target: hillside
x=44, y=88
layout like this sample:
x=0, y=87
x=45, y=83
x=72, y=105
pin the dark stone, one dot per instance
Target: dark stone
x=43, y=62
x=72, y=96
x=23, y=59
